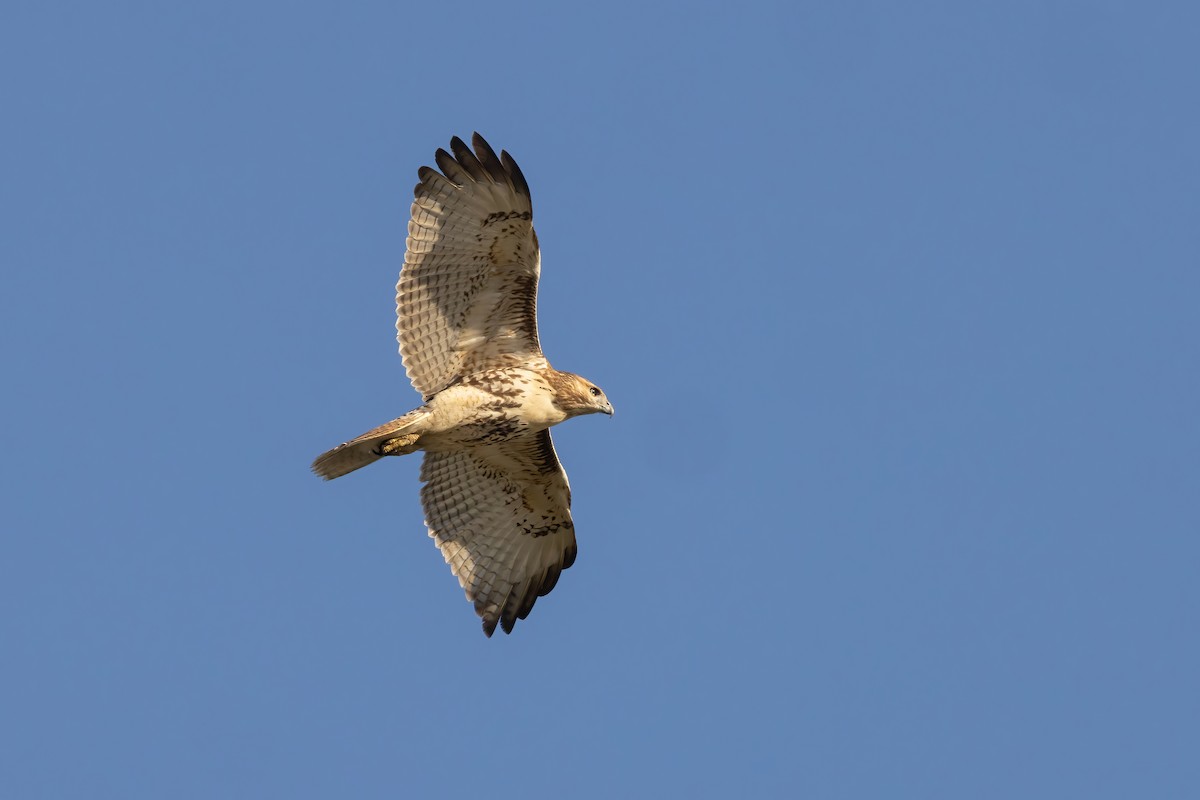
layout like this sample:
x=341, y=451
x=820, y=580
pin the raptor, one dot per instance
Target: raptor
x=496, y=499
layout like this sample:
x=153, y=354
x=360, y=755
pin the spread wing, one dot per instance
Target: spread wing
x=467, y=296
x=501, y=515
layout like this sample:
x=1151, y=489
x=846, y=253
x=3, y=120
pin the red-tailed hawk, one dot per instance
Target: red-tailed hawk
x=496, y=499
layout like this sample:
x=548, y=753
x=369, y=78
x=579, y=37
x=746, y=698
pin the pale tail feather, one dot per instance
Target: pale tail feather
x=366, y=449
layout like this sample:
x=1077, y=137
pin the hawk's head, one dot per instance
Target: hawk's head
x=576, y=395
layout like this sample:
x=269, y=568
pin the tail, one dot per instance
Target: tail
x=395, y=438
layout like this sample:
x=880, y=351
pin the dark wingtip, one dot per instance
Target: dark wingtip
x=550, y=580
x=442, y=158
x=491, y=163
x=569, y=556
x=518, y=177
x=467, y=159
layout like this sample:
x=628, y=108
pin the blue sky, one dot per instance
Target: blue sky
x=897, y=305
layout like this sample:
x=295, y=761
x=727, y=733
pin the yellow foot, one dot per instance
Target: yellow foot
x=400, y=446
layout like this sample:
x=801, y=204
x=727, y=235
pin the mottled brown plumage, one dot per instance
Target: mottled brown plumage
x=496, y=499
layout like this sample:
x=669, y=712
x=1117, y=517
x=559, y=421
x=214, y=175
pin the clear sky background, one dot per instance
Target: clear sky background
x=898, y=304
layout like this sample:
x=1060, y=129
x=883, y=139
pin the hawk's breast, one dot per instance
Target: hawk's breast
x=492, y=407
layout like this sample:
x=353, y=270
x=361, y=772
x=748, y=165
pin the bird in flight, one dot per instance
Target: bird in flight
x=496, y=499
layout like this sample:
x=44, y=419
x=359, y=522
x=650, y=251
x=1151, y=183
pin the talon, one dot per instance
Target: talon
x=399, y=446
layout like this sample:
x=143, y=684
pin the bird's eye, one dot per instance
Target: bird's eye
x=595, y=392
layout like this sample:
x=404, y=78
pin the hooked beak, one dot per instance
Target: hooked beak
x=608, y=409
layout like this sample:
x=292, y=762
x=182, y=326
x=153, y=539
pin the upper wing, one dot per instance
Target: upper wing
x=501, y=515
x=467, y=296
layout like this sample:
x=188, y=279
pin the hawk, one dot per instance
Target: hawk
x=496, y=499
